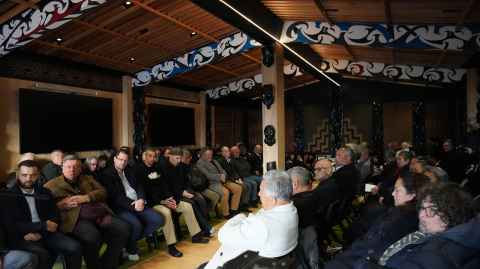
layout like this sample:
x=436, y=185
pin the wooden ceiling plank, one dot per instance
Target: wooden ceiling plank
x=123, y=36
x=388, y=19
x=183, y=25
x=89, y=55
x=28, y=3
x=460, y=22
x=324, y=13
x=22, y=5
x=114, y=18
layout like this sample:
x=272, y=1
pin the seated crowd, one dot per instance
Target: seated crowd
x=409, y=212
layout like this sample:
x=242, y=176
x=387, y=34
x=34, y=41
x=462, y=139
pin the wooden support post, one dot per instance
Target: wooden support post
x=473, y=92
x=127, y=112
x=275, y=116
x=201, y=131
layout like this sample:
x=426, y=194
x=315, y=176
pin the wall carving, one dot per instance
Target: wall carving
x=320, y=139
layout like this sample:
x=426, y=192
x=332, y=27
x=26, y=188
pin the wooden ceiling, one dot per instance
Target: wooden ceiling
x=151, y=31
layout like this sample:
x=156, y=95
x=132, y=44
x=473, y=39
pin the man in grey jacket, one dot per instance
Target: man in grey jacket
x=216, y=176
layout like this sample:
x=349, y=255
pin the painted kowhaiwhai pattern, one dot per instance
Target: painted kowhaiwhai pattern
x=249, y=83
x=356, y=68
x=376, y=35
x=32, y=23
x=236, y=43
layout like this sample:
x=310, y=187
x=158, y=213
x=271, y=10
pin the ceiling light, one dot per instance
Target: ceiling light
x=280, y=42
x=127, y=4
x=192, y=34
x=59, y=40
x=132, y=59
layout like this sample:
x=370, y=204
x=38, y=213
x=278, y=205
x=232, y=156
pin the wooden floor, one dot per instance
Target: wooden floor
x=193, y=254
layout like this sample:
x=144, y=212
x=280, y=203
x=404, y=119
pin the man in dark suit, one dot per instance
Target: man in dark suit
x=33, y=220
x=249, y=188
x=346, y=175
x=126, y=197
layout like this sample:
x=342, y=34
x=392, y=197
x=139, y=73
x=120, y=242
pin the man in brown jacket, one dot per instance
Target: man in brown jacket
x=86, y=217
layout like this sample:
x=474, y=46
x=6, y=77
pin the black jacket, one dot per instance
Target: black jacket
x=232, y=174
x=347, y=180
x=456, y=248
x=156, y=189
x=242, y=167
x=18, y=217
x=117, y=199
x=306, y=208
x=51, y=170
x=175, y=179
x=388, y=229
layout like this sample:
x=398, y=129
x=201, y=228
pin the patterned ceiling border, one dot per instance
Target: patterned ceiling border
x=249, y=83
x=360, y=68
x=32, y=23
x=449, y=37
x=233, y=44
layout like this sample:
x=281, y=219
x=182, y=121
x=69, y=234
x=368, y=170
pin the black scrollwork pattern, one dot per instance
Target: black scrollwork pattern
x=139, y=122
x=31, y=23
x=378, y=35
x=269, y=134
x=234, y=44
x=359, y=68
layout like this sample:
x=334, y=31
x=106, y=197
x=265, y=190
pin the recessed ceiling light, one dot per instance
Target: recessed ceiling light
x=192, y=34
x=127, y=4
x=132, y=59
x=59, y=40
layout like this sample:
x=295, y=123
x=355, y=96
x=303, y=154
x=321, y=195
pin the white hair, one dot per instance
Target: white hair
x=303, y=175
x=278, y=185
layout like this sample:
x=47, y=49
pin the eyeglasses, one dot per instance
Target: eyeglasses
x=430, y=211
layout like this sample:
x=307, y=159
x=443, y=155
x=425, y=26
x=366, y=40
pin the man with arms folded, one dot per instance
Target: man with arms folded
x=272, y=232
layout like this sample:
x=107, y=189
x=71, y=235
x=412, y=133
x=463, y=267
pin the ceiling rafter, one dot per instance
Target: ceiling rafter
x=89, y=55
x=388, y=20
x=324, y=13
x=28, y=3
x=127, y=33
x=104, y=23
x=184, y=25
x=461, y=20
x=22, y=5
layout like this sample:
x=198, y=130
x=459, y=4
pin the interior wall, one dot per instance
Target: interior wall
x=9, y=119
x=397, y=122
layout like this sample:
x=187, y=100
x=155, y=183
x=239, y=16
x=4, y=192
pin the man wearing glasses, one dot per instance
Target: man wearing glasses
x=447, y=236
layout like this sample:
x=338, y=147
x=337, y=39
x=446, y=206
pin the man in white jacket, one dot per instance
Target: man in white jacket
x=272, y=231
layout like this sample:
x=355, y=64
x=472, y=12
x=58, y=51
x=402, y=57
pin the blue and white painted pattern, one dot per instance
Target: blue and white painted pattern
x=234, y=44
x=379, y=35
x=249, y=83
x=359, y=68
x=32, y=23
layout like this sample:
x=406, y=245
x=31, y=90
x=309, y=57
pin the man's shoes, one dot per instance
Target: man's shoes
x=209, y=233
x=244, y=208
x=199, y=239
x=173, y=251
x=133, y=257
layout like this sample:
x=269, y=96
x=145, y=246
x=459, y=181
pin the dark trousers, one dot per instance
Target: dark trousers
x=115, y=235
x=142, y=224
x=50, y=246
x=200, y=209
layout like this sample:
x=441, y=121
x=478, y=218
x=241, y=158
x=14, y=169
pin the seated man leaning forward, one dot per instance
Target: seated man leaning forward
x=271, y=232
